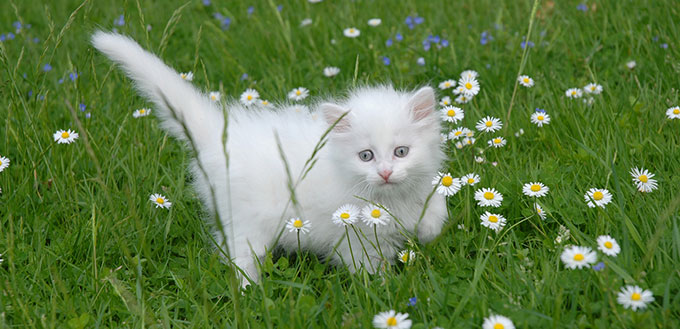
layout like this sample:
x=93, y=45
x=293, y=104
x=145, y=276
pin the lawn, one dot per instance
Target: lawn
x=82, y=246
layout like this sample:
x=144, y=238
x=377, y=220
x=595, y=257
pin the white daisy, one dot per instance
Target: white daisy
x=214, y=96
x=4, y=163
x=460, y=90
x=458, y=133
x=574, y=93
x=331, y=71
x=298, y=93
x=673, y=113
x=488, y=197
x=65, y=136
x=497, y=142
x=497, y=322
x=447, y=84
x=265, y=103
x=446, y=184
x=374, y=22
x=314, y=1
x=391, y=320
x=351, y=32
x=608, y=245
x=296, y=224
x=452, y=114
x=642, y=178
x=535, y=189
x=578, y=257
x=160, y=201
x=346, y=215
x=526, y=81
x=407, y=256
x=470, y=74
x=631, y=65
x=372, y=215
x=598, y=197
x=469, y=133
x=540, y=118
x=479, y=159
x=459, y=145
x=634, y=297
x=471, y=86
x=563, y=235
x=249, y=97
x=305, y=22
x=462, y=99
x=470, y=179
x=188, y=76
x=141, y=113
x=443, y=138
x=489, y=124
x=469, y=140
x=539, y=211
x=445, y=101
x=592, y=88
x=495, y=222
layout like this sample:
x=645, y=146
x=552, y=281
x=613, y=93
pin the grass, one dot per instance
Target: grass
x=83, y=246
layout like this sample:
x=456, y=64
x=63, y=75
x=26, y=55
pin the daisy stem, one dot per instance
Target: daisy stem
x=377, y=241
x=368, y=258
x=298, y=240
x=663, y=124
x=350, y=247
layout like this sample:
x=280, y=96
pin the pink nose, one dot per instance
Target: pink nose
x=385, y=174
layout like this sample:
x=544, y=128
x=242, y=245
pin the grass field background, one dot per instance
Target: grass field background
x=83, y=247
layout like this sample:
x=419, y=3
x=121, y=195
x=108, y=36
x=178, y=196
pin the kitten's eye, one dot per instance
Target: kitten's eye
x=401, y=151
x=366, y=155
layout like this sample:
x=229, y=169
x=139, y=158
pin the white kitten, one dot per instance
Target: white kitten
x=386, y=150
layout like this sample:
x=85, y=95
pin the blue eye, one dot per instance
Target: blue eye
x=366, y=155
x=401, y=151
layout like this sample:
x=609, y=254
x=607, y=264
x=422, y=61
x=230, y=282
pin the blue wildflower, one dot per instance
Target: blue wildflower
x=409, y=20
x=386, y=60
x=244, y=76
x=582, y=7
x=10, y=36
x=41, y=97
x=47, y=67
x=418, y=20
x=36, y=40
x=82, y=107
x=664, y=45
x=599, y=266
x=525, y=43
x=421, y=61
x=73, y=76
x=388, y=42
x=206, y=2
x=426, y=45
x=412, y=301
x=398, y=37
x=540, y=110
x=88, y=115
x=279, y=7
x=61, y=81
x=17, y=26
x=30, y=93
x=444, y=43
x=3, y=37
x=251, y=9
x=120, y=21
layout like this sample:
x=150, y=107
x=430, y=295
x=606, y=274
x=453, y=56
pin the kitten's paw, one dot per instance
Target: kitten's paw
x=433, y=221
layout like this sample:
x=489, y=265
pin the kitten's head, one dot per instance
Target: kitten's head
x=389, y=140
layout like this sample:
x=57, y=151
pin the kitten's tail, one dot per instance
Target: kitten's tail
x=180, y=105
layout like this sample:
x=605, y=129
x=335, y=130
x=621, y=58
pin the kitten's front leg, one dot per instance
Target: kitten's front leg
x=433, y=221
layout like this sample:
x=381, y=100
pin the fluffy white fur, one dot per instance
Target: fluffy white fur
x=254, y=203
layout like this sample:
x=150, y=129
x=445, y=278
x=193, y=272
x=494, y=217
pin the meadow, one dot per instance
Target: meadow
x=82, y=246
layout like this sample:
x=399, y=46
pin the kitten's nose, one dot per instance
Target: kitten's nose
x=385, y=174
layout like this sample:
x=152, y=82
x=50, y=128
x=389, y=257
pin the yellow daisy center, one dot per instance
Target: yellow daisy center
x=160, y=200
x=249, y=97
x=578, y=257
x=538, y=210
x=635, y=296
x=214, y=97
x=498, y=326
x=526, y=80
x=297, y=223
x=375, y=213
x=608, y=245
x=468, y=85
x=344, y=215
x=451, y=113
x=447, y=103
x=540, y=118
x=142, y=111
x=447, y=84
x=405, y=257
x=643, y=178
x=535, y=188
x=676, y=111
x=64, y=134
x=471, y=180
x=592, y=88
x=265, y=102
x=493, y=219
x=497, y=140
x=392, y=321
x=488, y=195
x=0, y=162
x=598, y=195
x=489, y=123
x=447, y=181
x=351, y=30
x=297, y=92
x=457, y=133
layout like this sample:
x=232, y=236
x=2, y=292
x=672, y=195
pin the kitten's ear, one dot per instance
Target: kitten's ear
x=332, y=113
x=422, y=103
